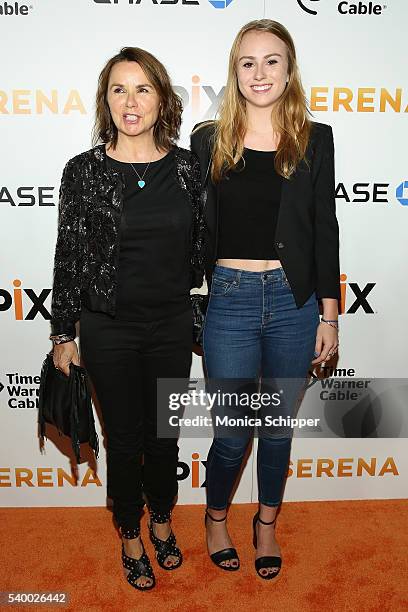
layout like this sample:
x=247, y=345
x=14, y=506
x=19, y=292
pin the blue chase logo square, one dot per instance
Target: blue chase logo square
x=220, y=4
x=402, y=193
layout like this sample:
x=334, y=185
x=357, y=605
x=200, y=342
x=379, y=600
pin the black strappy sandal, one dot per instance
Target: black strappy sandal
x=226, y=554
x=137, y=568
x=164, y=548
x=265, y=562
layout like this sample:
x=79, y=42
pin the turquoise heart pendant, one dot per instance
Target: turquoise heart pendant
x=141, y=184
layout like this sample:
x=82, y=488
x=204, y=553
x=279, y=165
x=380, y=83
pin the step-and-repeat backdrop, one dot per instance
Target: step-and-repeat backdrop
x=353, y=63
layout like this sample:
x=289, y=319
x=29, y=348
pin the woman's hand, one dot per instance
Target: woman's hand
x=64, y=354
x=327, y=341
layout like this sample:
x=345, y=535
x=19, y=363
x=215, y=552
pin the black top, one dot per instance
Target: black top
x=155, y=243
x=249, y=207
x=88, y=240
x=307, y=234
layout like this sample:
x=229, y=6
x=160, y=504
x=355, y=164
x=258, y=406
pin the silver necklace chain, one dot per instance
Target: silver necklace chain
x=141, y=182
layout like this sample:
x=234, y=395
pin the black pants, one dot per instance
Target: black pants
x=124, y=360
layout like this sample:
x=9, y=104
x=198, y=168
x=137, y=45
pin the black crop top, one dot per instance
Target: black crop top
x=249, y=207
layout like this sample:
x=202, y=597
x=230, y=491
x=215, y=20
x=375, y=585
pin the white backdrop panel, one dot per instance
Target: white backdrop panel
x=56, y=52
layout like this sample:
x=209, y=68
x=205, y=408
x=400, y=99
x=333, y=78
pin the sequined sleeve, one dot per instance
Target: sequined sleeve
x=197, y=262
x=66, y=302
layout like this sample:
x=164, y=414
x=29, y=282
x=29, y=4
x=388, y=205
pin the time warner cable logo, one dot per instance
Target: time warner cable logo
x=14, y=8
x=362, y=7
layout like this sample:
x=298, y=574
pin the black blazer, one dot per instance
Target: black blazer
x=307, y=234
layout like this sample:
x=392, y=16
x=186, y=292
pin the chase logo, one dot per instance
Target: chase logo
x=220, y=4
x=399, y=193
x=305, y=8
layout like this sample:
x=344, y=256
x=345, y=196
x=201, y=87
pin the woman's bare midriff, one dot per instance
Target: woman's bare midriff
x=250, y=265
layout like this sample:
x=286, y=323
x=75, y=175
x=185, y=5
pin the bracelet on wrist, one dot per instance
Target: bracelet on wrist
x=332, y=322
x=61, y=339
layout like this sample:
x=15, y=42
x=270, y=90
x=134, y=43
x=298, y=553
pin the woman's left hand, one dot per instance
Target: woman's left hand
x=327, y=342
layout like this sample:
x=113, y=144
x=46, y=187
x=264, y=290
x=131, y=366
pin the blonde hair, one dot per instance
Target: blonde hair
x=289, y=115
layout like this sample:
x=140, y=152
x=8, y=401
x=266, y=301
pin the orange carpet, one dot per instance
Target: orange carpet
x=337, y=556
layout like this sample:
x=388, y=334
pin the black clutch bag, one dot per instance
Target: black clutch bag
x=199, y=303
x=65, y=402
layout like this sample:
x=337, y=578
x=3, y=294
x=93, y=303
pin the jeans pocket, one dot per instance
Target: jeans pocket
x=220, y=287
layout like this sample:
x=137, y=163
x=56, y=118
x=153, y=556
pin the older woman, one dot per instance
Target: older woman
x=273, y=253
x=128, y=252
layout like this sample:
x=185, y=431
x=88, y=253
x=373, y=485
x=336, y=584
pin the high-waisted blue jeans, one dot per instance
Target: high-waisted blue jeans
x=253, y=328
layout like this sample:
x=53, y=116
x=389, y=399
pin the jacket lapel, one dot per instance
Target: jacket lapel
x=108, y=182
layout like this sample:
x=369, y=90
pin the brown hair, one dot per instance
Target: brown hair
x=289, y=114
x=167, y=128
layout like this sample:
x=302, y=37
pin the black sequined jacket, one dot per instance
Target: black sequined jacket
x=87, y=249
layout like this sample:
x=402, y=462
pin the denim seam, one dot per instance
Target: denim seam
x=215, y=508
x=270, y=505
x=205, y=322
x=263, y=306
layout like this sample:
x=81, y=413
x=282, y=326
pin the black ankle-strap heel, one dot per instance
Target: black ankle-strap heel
x=226, y=554
x=265, y=562
x=164, y=548
x=137, y=568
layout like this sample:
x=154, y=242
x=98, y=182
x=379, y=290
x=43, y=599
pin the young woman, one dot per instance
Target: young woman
x=128, y=252
x=272, y=254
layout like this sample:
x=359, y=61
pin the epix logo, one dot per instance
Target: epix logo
x=24, y=309
x=360, y=296
x=185, y=471
x=400, y=192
